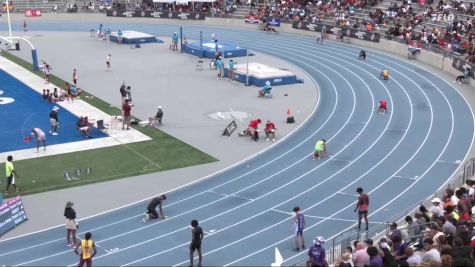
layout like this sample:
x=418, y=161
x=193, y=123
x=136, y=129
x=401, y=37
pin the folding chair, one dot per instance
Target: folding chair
x=199, y=65
x=101, y=126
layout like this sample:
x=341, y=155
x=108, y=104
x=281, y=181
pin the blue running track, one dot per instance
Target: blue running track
x=398, y=157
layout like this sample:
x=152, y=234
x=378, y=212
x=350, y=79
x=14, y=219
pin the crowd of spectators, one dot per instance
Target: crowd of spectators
x=443, y=235
x=219, y=8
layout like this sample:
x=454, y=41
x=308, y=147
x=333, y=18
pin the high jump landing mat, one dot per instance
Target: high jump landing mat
x=134, y=37
x=208, y=50
x=260, y=73
x=22, y=108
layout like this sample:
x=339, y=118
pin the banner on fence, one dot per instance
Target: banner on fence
x=251, y=19
x=352, y=33
x=156, y=14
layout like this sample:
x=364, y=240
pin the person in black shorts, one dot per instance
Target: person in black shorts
x=151, y=208
x=196, y=237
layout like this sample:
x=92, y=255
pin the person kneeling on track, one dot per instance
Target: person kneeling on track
x=362, y=55
x=382, y=106
x=384, y=74
x=320, y=149
x=151, y=208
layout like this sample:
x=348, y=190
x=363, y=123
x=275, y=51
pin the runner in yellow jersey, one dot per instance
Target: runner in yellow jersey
x=86, y=245
x=384, y=74
x=320, y=149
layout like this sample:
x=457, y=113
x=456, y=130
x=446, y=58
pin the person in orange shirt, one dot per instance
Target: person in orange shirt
x=86, y=245
x=369, y=27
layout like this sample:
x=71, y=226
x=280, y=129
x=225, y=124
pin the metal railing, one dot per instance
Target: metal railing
x=336, y=247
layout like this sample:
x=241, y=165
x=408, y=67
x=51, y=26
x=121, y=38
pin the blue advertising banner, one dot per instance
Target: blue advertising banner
x=274, y=22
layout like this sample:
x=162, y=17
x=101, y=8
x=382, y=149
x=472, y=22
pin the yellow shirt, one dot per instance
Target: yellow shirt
x=385, y=73
x=86, y=247
x=9, y=168
x=319, y=146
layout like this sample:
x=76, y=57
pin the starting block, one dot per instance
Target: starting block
x=143, y=123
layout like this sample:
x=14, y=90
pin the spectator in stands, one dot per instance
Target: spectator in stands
x=399, y=249
x=431, y=254
x=375, y=259
x=316, y=254
x=413, y=229
x=361, y=257
x=435, y=233
x=462, y=253
x=412, y=258
x=424, y=213
x=436, y=208
x=393, y=232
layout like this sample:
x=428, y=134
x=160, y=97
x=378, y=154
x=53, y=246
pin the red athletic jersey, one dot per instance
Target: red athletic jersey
x=253, y=124
x=363, y=201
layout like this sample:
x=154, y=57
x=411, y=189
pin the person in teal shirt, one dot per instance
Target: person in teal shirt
x=119, y=36
x=175, y=41
x=220, y=67
x=266, y=89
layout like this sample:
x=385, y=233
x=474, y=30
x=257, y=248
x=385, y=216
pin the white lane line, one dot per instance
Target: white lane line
x=414, y=178
x=348, y=194
x=231, y=195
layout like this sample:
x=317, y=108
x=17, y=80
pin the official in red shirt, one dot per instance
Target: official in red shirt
x=270, y=130
x=126, y=109
x=252, y=128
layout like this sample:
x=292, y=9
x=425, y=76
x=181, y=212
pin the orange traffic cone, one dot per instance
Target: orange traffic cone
x=290, y=118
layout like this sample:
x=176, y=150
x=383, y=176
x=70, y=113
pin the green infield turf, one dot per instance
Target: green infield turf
x=163, y=152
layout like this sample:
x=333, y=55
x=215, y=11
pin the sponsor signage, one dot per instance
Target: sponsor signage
x=352, y=33
x=155, y=14
x=12, y=214
x=442, y=17
x=275, y=22
x=32, y=13
x=230, y=128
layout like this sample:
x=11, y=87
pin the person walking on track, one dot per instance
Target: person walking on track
x=298, y=222
x=71, y=224
x=362, y=207
x=86, y=246
x=196, y=238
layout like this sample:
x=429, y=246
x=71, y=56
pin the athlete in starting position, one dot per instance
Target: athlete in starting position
x=320, y=149
x=382, y=106
x=384, y=74
x=151, y=208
